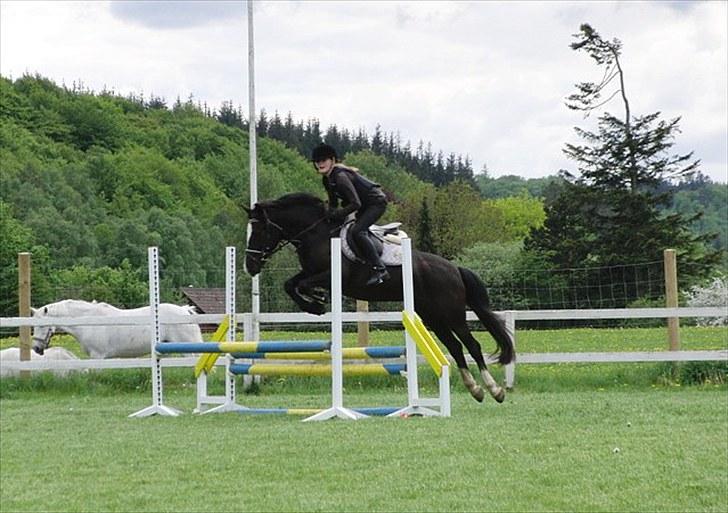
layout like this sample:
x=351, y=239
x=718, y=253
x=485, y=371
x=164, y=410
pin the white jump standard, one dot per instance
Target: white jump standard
x=325, y=351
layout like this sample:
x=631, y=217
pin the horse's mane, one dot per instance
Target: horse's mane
x=296, y=200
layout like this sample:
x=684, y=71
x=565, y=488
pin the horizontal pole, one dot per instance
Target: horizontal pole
x=350, y=353
x=98, y=363
x=256, y=369
x=375, y=411
x=625, y=357
x=303, y=318
x=523, y=358
x=244, y=347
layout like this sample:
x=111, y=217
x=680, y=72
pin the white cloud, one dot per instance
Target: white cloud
x=487, y=79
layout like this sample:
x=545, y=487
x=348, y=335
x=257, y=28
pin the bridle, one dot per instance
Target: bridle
x=262, y=255
x=45, y=341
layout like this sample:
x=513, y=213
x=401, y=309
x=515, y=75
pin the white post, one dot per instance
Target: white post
x=230, y=311
x=253, y=151
x=157, y=407
x=510, y=370
x=445, y=391
x=413, y=386
x=416, y=406
x=230, y=279
x=337, y=409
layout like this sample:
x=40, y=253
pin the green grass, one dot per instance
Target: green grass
x=550, y=451
x=66, y=444
x=527, y=341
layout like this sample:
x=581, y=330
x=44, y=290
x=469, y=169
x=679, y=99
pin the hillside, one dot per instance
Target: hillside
x=90, y=180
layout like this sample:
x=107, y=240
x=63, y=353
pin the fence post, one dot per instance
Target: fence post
x=673, y=323
x=362, y=327
x=24, y=307
x=510, y=369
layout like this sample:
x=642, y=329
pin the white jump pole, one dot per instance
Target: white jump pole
x=510, y=373
x=416, y=406
x=157, y=407
x=337, y=409
x=230, y=403
x=253, y=161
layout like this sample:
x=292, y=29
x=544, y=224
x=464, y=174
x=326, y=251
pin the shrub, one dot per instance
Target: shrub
x=715, y=294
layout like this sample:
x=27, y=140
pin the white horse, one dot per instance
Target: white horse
x=12, y=354
x=112, y=341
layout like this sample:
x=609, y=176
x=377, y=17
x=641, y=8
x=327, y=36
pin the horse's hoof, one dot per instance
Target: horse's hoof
x=478, y=394
x=500, y=396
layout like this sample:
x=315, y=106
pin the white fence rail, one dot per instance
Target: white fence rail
x=511, y=316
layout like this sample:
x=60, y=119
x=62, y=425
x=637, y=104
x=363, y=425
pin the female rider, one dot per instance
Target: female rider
x=357, y=194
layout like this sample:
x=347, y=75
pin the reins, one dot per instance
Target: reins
x=266, y=253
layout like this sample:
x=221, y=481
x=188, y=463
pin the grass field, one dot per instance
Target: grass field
x=571, y=437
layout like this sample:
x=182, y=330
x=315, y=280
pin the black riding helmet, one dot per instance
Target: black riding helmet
x=323, y=152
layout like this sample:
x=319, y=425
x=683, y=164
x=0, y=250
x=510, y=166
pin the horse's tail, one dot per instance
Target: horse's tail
x=476, y=296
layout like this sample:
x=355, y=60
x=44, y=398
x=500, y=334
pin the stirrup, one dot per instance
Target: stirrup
x=378, y=276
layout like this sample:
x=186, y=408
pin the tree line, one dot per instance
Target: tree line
x=422, y=161
x=90, y=180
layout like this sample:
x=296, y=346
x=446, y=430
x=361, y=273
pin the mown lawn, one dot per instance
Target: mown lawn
x=663, y=449
x=570, y=437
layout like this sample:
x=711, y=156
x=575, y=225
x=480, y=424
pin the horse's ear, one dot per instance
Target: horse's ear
x=33, y=311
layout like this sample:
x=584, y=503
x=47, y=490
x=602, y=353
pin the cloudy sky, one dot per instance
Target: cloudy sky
x=485, y=79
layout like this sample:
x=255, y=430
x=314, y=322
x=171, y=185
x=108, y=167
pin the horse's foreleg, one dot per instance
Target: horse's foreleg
x=297, y=291
x=315, y=287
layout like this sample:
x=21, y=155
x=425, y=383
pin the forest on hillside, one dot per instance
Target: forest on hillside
x=89, y=180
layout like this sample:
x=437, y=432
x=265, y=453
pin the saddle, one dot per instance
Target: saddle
x=387, y=240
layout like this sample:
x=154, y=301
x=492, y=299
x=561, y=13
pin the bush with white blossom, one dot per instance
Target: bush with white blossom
x=715, y=294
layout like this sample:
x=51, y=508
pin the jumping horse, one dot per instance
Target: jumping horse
x=442, y=290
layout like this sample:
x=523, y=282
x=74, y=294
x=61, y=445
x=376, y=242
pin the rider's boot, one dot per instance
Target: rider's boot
x=379, y=271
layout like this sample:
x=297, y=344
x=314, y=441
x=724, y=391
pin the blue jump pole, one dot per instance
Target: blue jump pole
x=231, y=347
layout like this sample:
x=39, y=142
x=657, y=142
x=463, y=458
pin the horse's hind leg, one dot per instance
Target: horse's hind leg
x=456, y=350
x=473, y=346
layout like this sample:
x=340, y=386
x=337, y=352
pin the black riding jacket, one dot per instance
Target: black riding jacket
x=355, y=191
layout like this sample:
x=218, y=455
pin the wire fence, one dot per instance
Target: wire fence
x=619, y=286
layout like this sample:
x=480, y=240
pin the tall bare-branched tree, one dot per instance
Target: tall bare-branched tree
x=610, y=211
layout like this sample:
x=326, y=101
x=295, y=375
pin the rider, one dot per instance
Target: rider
x=357, y=194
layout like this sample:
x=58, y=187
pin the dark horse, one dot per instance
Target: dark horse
x=442, y=290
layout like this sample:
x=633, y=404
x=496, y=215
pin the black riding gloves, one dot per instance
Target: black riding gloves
x=337, y=214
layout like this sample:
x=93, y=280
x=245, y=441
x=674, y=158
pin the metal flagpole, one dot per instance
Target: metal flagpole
x=255, y=287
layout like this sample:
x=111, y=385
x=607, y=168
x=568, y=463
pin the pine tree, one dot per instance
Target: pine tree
x=609, y=213
x=425, y=241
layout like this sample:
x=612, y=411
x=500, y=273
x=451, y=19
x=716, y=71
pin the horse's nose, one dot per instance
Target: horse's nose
x=38, y=350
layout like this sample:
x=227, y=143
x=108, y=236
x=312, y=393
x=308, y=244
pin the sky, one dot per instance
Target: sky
x=484, y=79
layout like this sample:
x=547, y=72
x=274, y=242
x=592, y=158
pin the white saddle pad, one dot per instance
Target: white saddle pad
x=391, y=254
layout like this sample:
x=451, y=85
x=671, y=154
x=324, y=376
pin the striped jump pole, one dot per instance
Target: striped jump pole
x=348, y=353
x=337, y=409
x=381, y=411
x=367, y=369
x=242, y=347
